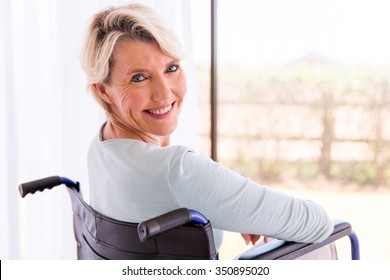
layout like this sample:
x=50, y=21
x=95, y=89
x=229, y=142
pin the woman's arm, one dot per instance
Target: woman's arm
x=235, y=203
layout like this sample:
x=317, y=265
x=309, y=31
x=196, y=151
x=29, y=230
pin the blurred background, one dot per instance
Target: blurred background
x=303, y=101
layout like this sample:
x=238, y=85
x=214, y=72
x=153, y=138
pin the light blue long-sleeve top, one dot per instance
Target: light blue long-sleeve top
x=133, y=181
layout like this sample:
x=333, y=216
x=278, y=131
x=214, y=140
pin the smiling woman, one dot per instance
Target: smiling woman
x=132, y=62
x=135, y=174
x=143, y=103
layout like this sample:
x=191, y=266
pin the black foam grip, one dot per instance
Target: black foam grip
x=39, y=185
x=163, y=223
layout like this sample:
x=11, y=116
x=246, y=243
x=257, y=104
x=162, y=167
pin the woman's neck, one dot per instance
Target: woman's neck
x=115, y=130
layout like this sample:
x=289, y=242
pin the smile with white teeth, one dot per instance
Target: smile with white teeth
x=161, y=111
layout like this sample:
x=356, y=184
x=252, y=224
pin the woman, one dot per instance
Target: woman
x=133, y=65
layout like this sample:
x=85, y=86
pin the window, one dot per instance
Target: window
x=303, y=95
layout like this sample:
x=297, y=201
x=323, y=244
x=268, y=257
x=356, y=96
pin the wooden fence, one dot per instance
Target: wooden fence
x=336, y=130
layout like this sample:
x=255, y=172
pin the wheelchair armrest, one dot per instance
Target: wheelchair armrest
x=163, y=223
x=293, y=250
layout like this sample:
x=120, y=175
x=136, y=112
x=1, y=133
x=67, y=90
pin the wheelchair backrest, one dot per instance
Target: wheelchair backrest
x=100, y=237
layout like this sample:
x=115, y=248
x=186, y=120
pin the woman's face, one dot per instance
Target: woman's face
x=146, y=89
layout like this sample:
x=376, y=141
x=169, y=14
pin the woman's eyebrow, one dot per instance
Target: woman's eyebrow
x=173, y=61
x=131, y=70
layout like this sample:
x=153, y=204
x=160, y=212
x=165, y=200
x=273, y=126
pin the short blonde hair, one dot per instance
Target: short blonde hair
x=117, y=24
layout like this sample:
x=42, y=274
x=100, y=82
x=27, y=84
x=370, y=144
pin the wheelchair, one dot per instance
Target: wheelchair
x=181, y=234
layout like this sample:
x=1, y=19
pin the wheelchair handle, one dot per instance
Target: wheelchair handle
x=168, y=221
x=46, y=183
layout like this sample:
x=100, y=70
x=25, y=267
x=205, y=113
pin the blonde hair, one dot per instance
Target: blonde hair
x=117, y=24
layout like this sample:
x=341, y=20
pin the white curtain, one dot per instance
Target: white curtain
x=47, y=118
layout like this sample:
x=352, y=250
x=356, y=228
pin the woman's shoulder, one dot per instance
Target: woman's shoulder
x=138, y=148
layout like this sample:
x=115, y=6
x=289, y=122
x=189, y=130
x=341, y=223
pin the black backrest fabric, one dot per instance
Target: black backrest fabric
x=100, y=237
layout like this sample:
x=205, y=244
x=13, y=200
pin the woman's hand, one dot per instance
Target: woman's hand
x=250, y=238
x=253, y=238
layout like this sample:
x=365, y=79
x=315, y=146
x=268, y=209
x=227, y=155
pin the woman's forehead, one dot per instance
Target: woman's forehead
x=136, y=54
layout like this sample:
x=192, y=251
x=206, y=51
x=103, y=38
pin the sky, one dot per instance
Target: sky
x=255, y=33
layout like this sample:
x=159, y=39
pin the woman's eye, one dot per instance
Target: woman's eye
x=172, y=68
x=138, y=78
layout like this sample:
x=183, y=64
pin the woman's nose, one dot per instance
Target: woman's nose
x=161, y=90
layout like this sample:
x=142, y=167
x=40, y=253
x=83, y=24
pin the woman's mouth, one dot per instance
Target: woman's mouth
x=161, y=111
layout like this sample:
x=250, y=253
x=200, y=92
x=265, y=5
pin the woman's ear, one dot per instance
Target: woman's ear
x=101, y=90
